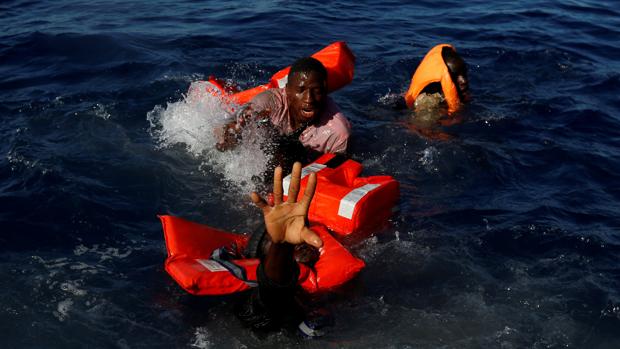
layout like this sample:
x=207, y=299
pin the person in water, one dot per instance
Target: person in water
x=438, y=89
x=440, y=77
x=301, y=116
x=272, y=304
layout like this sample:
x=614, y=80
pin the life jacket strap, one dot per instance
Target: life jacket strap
x=224, y=257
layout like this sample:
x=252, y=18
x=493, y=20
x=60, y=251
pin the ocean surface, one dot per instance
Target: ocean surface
x=508, y=234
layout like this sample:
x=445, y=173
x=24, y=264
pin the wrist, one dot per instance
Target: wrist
x=279, y=262
x=283, y=244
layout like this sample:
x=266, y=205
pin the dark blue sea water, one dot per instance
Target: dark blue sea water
x=508, y=234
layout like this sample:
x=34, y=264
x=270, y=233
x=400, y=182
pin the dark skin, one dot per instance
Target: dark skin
x=458, y=72
x=230, y=134
x=427, y=118
x=286, y=224
x=306, y=95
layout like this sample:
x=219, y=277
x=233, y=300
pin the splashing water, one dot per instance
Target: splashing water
x=192, y=123
x=201, y=339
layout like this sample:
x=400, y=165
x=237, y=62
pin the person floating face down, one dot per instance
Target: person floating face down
x=304, y=120
x=441, y=78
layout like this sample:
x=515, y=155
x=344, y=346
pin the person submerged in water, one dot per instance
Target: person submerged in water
x=286, y=240
x=439, y=87
x=304, y=120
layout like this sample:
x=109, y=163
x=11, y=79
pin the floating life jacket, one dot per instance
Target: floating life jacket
x=198, y=260
x=344, y=202
x=337, y=59
x=433, y=69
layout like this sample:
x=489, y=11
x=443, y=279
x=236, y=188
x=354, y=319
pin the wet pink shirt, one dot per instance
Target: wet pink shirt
x=328, y=135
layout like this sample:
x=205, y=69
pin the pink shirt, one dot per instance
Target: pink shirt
x=328, y=135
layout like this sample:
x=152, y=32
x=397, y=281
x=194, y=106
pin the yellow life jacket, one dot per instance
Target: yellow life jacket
x=433, y=69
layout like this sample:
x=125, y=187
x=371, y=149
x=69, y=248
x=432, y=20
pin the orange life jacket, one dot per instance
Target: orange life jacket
x=433, y=69
x=337, y=58
x=193, y=260
x=344, y=202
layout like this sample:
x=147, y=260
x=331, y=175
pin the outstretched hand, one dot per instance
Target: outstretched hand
x=286, y=221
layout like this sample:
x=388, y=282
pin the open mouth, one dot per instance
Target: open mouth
x=308, y=112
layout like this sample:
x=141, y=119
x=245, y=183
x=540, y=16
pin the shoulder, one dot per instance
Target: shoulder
x=268, y=97
x=272, y=105
x=333, y=118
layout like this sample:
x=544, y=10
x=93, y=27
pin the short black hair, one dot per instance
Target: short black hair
x=307, y=65
x=454, y=61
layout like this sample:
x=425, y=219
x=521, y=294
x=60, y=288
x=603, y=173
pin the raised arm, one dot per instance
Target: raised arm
x=286, y=224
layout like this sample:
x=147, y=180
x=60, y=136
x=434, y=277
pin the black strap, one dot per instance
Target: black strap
x=336, y=161
x=224, y=257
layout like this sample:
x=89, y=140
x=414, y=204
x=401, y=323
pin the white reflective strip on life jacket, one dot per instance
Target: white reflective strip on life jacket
x=211, y=265
x=312, y=168
x=308, y=331
x=348, y=202
x=282, y=82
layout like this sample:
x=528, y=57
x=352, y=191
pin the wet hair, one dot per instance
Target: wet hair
x=453, y=61
x=457, y=69
x=307, y=65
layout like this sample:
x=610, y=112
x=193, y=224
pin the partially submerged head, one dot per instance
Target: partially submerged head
x=303, y=253
x=458, y=70
x=306, y=89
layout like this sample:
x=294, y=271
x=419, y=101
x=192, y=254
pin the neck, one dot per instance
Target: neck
x=296, y=124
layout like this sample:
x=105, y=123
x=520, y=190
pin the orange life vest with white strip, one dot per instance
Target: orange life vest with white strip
x=194, y=265
x=433, y=69
x=337, y=59
x=344, y=202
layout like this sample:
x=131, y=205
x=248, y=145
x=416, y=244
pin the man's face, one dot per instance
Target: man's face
x=306, y=93
x=458, y=71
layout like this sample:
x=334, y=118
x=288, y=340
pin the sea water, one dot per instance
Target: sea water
x=507, y=236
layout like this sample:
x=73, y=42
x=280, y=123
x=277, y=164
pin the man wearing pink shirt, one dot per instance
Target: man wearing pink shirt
x=300, y=114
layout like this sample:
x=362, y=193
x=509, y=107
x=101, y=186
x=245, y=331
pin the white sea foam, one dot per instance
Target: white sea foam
x=390, y=98
x=101, y=111
x=201, y=339
x=427, y=159
x=103, y=253
x=62, y=309
x=63, y=281
x=72, y=288
x=17, y=160
x=175, y=76
x=192, y=122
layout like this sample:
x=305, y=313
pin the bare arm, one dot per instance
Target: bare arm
x=230, y=134
x=285, y=223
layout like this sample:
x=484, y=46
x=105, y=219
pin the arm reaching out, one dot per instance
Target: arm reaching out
x=229, y=135
x=286, y=221
x=286, y=224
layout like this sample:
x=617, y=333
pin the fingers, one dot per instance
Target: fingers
x=258, y=201
x=311, y=238
x=293, y=188
x=277, y=186
x=309, y=192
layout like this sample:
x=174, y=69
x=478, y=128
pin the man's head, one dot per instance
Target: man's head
x=458, y=70
x=306, y=89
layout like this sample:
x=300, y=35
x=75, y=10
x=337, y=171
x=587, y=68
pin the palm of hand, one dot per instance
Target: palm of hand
x=286, y=221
